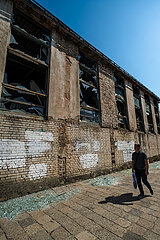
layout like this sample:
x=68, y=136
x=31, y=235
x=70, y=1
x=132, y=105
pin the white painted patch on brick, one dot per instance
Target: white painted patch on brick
x=38, y=142
x=80, y=145
x=127, y=148
x=37, y=171
x=39, y=136
x=96, y=145
x=89, y=160
x=12, y=154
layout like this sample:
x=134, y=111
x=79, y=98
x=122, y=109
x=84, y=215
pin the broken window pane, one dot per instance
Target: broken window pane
x=89, y=115
x=149, y=114
x=28, y=46
x=88, y=77
x=89, y=93
x=27, y=25
x=157, y=115
x=88, y=96
x=120, y=102
x=87, y=62
x=138, y=109
x=120, y=107
x=22, y=74
x=23, y=87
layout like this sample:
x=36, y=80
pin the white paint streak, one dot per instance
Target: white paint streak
x=96, y=145
x=38, y=142
x=37, y=171
x=80, y=145
x=127, y=148
x=89, y=160
x=12, y=154
x=45, y=136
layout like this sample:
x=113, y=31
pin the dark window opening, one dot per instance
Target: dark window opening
x=29, y=37
x=149, y=114
x=138, y=109
x=89, y=93
x=120, y=102
x=156, y=109
x=24, y=88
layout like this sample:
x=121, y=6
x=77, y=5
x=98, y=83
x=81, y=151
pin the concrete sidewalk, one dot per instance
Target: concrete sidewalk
x=102, y=208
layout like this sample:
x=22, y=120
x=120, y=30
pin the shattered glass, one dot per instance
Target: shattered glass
x=26, y=45
x=137, y=102
x=87, y=62
x=89, y=115
x=32, y=28
x=89, y=96
x=88, y=77
x=22, y=88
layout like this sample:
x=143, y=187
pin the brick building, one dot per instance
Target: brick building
x=66, y=109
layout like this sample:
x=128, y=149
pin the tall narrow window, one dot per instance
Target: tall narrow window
x=89, y=90
x=138, y=109
x=120, y=102
x=157, y=115
x=149, y=114
x=24, y=88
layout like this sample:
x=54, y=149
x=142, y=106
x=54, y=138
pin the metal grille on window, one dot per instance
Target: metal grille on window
x=120, y=102
x=138, y=109
x=24, y=88
x=156, y=109
x=149, y=114
x=89, y=93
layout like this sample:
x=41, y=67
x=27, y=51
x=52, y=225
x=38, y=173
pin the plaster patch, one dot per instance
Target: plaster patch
x=127, y=148
x=12, y=153
x=37, y=171
x=89, y=160
x=96, y=145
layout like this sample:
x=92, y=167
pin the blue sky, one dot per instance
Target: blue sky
x=127, y=31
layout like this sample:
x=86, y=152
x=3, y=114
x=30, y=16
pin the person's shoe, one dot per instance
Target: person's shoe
x=151, y=191
x=140, y=196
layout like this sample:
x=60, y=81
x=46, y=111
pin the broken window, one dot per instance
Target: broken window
x=157, y=115
x=149, y=114
x=120, y=102
x=24, y=86
x=138, y=109
x=89, y=93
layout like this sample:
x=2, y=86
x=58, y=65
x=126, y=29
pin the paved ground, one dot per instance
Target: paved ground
x=102, y=208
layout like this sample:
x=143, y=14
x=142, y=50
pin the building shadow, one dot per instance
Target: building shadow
x=123, y=199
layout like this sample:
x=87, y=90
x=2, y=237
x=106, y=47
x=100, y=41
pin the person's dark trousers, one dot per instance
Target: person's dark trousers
x=140, y=175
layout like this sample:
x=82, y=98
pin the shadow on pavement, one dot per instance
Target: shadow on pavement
x=123, y=199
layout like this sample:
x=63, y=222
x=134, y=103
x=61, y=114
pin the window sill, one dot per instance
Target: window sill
x=22, y=115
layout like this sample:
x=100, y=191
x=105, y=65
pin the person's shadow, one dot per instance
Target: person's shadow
x=123, y=199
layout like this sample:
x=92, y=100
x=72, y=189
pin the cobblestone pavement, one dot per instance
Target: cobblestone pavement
x=106, y=208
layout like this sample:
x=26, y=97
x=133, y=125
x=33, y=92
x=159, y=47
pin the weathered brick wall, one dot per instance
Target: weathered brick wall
x=124, y=146
x=29, y=148
x=88, y=149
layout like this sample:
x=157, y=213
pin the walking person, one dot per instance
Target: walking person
x=140, y=164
